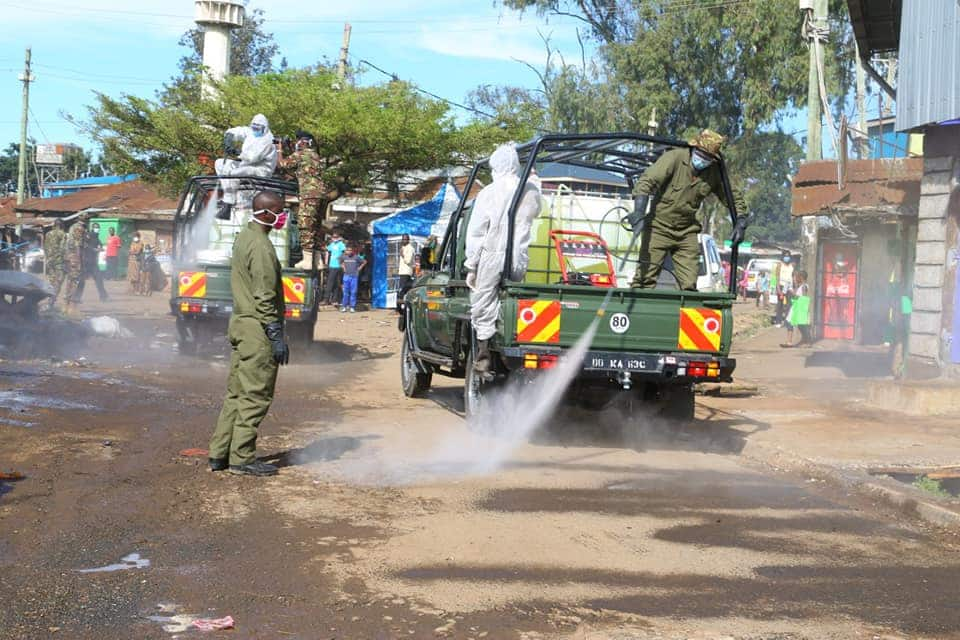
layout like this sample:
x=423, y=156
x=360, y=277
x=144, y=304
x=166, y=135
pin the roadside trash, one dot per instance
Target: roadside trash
x=194, y=453
x=108, y=327
x=11, y=475
x=214, y=624
x=131, y=561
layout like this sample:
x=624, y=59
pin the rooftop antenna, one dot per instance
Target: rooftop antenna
x=217, y=18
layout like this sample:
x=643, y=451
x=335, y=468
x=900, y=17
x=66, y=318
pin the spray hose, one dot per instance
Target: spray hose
x=623, y=263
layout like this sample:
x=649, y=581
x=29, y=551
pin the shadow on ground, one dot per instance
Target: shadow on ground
x=321, y=450
x=852, y=364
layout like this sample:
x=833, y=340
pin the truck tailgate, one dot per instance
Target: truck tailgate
x=635, y=320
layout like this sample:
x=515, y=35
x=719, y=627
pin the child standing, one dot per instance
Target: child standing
x=351, y=264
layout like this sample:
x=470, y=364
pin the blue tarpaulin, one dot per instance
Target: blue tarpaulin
x=421, y=221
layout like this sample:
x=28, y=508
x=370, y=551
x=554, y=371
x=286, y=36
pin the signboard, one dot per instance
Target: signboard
x=50, y=153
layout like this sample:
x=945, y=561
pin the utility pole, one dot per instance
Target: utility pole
x=814, y=110
x=863, y=142
x=344, y=52
x=26, y=78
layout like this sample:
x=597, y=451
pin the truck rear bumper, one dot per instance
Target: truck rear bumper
x=678, y=367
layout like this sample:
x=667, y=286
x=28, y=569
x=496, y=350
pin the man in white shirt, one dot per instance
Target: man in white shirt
x=405, y=270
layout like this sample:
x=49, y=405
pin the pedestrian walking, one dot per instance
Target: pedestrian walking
x=112, y=253
x=677, y=183
x=799, y=314
x=335, y=251
x=54, y=252
x=133, y=263
x=405, y=265
x=428, y=254
x=352, y=264
x=91, y=263
x=257, y=341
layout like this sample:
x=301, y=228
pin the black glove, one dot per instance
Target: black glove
x=281, y=352
x=740, y=229
x=638, y=219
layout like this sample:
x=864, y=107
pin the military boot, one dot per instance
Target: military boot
x=306, y=263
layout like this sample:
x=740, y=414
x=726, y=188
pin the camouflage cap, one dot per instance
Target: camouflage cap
x=709, y=141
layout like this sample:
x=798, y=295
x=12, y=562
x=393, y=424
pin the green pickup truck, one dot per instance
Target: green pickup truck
x=651, y=346
x=200, y=296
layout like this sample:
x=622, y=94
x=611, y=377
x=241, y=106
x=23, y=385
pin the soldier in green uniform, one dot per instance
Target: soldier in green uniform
x=306, y=165
x=54, y=247
x=678, y=182
x=73, y=263
x=257, y=341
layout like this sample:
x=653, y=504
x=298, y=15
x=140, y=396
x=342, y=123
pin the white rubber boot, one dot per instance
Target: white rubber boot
x=306, y=263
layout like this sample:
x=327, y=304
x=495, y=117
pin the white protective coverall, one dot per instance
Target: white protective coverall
x=486, y=242
x=258, y=157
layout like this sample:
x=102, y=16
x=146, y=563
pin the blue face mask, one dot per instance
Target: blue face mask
x=258, y=131
x=699, y=162
x=786, y=258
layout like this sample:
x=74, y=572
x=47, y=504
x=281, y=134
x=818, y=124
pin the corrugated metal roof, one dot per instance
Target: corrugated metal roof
x=876, y=24
x=878, y=186
x=120, y=199
x=928, y=86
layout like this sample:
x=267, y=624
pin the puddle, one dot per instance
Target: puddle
x=17, y=423
x=132, y=561
x=942, y=482
x=12, y=399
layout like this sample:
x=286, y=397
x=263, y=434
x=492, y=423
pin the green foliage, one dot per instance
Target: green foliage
x=925, y=483
x=9, y=167
x=363, y=134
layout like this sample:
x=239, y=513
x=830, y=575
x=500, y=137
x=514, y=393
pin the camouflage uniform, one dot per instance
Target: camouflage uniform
x=677, y=191
x=54, y=245
x=73, y=261
x=306, y=165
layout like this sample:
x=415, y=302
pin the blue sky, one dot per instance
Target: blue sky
x=116, y=46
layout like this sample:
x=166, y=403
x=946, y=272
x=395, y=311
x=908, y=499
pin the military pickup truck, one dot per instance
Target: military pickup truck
x=200, y=295
x=652, y=345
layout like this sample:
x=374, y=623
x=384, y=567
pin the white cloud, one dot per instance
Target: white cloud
x=510, y=38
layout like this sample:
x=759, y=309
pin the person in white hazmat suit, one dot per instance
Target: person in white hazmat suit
x=257, y=158
x=486, y=243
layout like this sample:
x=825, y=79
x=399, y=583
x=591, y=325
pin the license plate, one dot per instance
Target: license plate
x=613, y=362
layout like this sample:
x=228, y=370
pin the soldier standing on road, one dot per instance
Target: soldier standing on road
x=54, y=248
x=133, y=263
x=257, y=341
x=305, y=163
x=678, y=182
x=73, y=264
x=91, y=263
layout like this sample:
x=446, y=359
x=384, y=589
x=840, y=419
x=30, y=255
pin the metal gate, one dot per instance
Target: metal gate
x=838, y=301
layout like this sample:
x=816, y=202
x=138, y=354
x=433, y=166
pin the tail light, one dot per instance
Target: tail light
x=698, y=369
x=190, y=307
x=539, y=361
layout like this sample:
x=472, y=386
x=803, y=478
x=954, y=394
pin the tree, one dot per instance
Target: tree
x=364, y=134
x=252, y=52
x=731, y=66
x=9, y=167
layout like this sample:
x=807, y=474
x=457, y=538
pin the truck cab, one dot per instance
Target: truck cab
x=650, y=345
x=200, y=296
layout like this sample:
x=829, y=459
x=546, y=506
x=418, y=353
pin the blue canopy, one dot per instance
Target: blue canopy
x=425, y=219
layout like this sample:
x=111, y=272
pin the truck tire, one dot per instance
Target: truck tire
x=300, y=334
x=415, y=383
x=679, y=402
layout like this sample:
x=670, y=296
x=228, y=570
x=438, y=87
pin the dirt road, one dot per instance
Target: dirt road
x=390, y=520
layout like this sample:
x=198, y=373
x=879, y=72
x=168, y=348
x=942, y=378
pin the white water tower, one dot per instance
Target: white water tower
x=217, y=18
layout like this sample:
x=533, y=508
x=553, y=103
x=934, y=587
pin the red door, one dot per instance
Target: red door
x=838, y=310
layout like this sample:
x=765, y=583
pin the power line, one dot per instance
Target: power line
x=33, y=120
x=395, y=77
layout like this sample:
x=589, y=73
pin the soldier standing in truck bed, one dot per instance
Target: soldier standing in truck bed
x=305, y=163
x=678, y=182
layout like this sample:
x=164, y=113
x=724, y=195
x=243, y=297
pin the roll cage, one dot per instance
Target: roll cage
x=625, y=154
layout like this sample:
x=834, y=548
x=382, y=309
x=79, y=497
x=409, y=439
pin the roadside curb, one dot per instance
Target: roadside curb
x=908, y=501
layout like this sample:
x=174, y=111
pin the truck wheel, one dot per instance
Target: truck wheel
x=415, y=383
x=301, y=334
x=679, y=402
